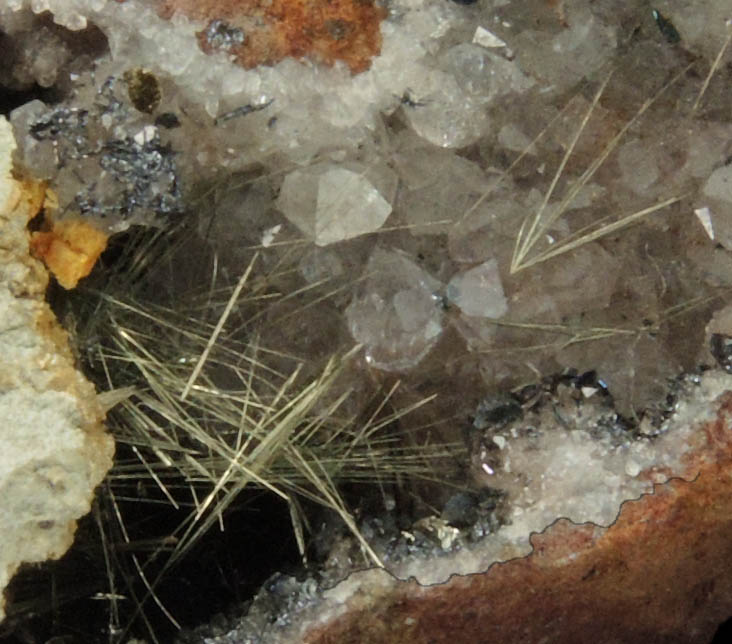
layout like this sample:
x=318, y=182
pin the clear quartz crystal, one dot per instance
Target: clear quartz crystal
x=484, y=75
x=717, y=192
x=32, y=153
x=443, y=114
x=320, y=264
x=329, y=203
x=478, y=291
x=638, y=166
x=397, y=317
x=719, y=184
x=434, y=196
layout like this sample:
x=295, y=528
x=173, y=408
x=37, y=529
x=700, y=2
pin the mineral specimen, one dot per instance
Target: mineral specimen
x=55, y=450
x=397, y=317
x=478, y=291
x=487, y=198
x=329, y=203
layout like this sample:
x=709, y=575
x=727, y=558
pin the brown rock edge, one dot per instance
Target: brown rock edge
x=661, y=573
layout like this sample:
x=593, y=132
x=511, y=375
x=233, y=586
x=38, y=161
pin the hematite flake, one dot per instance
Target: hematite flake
x=67, y=127
x=168, y=120
x=242, y=110
x=59, y=121
x=666, y=28
x=220, y=35
x=109, y=105
x=497, y=411
x=143, y=176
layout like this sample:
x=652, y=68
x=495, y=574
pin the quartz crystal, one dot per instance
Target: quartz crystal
x=320, y=264
x=450, y=109
x=560, y=57
x=719, y=184
x=435, y=196
x=443, y=114
x=583, y=280
x=718, y=202
x=329, y=203
x=33, y=153
x=638, y=166
x=478, y=291
x=704, y=27
x=397, y=316
x=484, y=75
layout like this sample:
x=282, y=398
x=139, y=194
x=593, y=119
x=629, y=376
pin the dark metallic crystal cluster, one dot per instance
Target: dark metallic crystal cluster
x=136, y=175
x=110, y=158
x=67, y=129
x=220, y=35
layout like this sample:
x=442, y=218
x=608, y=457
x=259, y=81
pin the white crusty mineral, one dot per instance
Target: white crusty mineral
x=54, y=449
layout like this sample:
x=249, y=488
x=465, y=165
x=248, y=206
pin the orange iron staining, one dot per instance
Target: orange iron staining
x=264, y=32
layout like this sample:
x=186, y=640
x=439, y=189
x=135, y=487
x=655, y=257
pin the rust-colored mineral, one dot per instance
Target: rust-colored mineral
x=69, y=249
x=345, y=30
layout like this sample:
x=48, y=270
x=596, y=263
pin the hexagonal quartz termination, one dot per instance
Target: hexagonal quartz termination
x=263, y=32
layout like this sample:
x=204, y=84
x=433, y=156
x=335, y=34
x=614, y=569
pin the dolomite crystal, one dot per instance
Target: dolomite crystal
x=54, y=447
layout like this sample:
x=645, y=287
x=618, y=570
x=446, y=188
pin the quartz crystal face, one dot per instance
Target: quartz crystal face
x=397, y=316
x=478, y=291
x=330, y=203
x=717, y=194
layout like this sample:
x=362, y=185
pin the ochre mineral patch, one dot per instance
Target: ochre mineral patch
x=69, y=249
x=270, y=30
